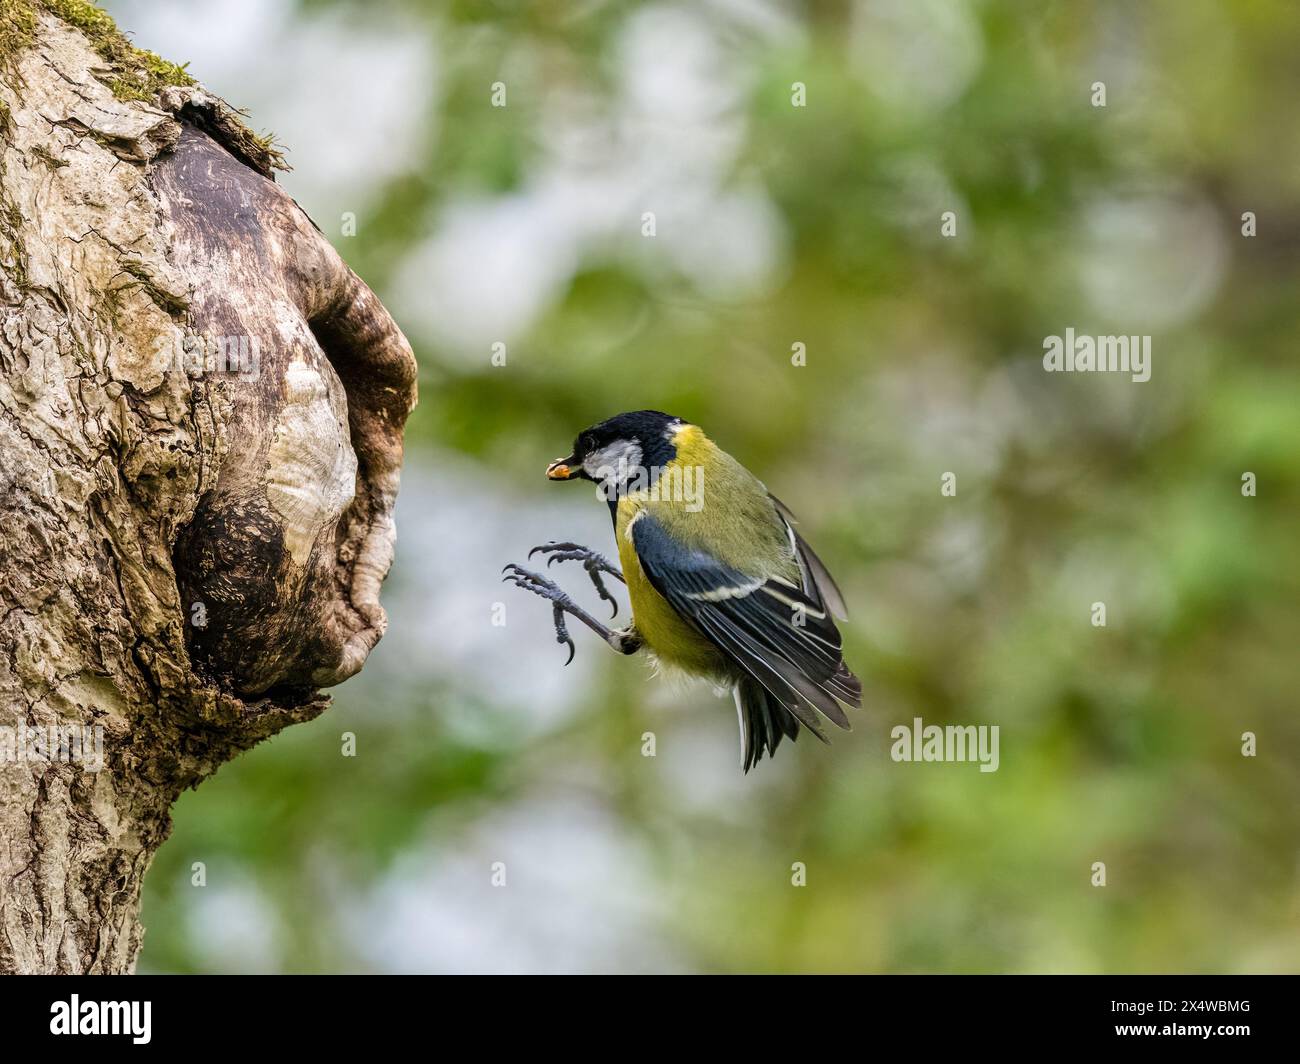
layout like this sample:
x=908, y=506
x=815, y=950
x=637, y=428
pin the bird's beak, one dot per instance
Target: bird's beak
x=563, y=469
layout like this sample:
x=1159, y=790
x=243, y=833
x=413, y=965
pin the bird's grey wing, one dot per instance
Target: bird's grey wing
x=775, y=631
x=814, y=570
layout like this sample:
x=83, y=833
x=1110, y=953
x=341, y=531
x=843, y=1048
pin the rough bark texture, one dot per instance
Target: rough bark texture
x=187, y=551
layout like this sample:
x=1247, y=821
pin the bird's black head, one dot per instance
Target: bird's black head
x=619, y=446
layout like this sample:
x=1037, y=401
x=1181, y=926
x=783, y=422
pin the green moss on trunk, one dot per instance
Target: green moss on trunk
x=17, y=24
x=137, y=74
x=131, y=73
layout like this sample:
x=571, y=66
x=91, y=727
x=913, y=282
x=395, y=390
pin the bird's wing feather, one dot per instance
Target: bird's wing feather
x=752, y=620
x=813, y=568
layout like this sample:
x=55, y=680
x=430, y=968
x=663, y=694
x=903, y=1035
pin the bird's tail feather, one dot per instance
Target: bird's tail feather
x=764, y=721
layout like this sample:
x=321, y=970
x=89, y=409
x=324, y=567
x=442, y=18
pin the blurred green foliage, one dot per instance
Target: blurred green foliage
x=1119, y=744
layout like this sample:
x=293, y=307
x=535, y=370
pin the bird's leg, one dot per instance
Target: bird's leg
x=625, y=641
x=594, y=563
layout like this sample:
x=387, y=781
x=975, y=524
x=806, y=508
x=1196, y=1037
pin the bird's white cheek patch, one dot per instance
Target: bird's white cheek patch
x=620, y=460
x=311, y=473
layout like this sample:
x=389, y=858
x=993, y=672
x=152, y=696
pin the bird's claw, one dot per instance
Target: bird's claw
x=562, y=634
x=549, y=590
x=592, y=562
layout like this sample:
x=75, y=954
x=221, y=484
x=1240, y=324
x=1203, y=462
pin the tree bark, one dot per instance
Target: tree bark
x=201, y=414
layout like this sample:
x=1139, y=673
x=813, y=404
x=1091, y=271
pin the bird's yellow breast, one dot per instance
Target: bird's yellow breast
x=668, y=637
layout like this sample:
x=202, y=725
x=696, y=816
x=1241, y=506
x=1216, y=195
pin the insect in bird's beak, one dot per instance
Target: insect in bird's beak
x=562, y=469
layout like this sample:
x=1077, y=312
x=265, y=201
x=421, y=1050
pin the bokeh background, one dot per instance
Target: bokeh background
x=779, y=225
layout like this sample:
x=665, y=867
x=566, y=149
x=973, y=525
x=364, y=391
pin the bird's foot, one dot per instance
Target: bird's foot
x=594, y=563
x=625, y=641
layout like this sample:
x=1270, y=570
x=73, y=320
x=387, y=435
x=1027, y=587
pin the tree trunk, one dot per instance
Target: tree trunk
x=201, y=412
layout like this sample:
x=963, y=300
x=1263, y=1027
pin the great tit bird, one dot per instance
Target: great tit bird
x=721, y=584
